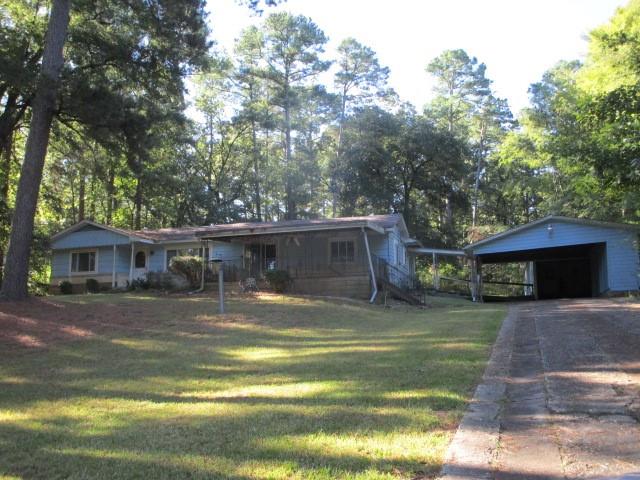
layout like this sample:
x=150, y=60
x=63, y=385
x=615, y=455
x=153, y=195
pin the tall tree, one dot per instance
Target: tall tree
x=255, y=108
x=132, y=50
x=14, y=285
x=359, y=81
x=293, y=45
x=460, y=84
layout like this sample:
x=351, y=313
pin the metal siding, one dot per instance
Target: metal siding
x=123, y=259
x=105, y=260
x=394, y=236
x=89, y=238
x=156, y=258
x=622, y=263
x=379, y=245
x=60, y=264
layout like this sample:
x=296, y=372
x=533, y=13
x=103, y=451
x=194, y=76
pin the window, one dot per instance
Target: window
x=186, y=252
x=83, y=262
x=342, y=251
x=400, y=254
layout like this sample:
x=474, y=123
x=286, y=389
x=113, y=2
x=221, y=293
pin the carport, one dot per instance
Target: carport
x=565, y=257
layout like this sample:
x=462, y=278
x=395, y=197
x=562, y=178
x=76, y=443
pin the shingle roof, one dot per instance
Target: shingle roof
x=192, y=233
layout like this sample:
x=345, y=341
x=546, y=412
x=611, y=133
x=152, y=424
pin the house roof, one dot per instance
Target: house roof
x=379, y=223
x=555, y=218
x=83, y=223
x=179, y=234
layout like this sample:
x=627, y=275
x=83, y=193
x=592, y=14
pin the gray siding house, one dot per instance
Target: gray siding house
x=342, y=256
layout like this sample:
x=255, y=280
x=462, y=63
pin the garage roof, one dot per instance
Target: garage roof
x=548, y=219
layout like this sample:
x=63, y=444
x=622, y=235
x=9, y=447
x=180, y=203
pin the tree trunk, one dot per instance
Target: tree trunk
x=5, y=217
x=476, y=184
x=111, y=188
x=81, y=197
x=256, y=172
x=8, y=122
x=14, y=286
x=290, y=206
x=334, y=180
x=137, y=216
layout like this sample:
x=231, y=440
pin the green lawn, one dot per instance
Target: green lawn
x=279, y=388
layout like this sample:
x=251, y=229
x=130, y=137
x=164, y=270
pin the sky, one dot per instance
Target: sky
x=518, y=40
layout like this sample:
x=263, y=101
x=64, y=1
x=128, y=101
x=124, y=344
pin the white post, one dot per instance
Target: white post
x=113, y=266
x=436, y=272
x=221, y=287
x=131, y=262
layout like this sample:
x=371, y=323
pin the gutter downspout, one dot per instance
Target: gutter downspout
x=371, y=271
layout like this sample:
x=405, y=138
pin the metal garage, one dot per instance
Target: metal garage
x=565, y=257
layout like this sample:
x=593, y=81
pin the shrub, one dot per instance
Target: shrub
x=139, y=284
x=189, y=267
x=66, y=288
x=92, y=285
x=280, y=280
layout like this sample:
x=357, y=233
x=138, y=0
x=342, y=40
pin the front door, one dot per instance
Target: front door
x=141, y=264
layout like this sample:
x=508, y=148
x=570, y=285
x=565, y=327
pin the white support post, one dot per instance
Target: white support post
x=473, y=284
x=480, y=282
x=436, y=272
x=113, y=266
x=221, y=287
x=131, y=262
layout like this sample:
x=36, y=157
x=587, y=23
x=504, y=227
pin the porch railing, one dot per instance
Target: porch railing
x=394, y=275
x=234, y=270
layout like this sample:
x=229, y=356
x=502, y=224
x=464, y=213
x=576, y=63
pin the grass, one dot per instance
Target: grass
x=279, y=388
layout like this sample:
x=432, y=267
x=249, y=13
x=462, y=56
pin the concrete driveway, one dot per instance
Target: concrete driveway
x=560, y=398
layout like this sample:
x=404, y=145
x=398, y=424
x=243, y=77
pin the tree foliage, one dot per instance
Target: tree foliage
x=279, y=129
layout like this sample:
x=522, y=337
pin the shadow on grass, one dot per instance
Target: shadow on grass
x=291, y=391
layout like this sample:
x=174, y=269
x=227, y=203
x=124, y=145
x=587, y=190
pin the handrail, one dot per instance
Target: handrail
x=394, y=275
x=463, y=280
x=374, y=283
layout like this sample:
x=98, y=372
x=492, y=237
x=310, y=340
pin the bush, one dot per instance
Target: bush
x=92, y=285
x=189, y=267
x=140, y=284
x=279, y=280
x=66, y=288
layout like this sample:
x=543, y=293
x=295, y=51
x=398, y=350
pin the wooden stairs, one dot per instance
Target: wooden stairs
x=400, y=293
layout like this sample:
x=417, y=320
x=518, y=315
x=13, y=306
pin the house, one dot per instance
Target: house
x=346, y=256
x=565, y=257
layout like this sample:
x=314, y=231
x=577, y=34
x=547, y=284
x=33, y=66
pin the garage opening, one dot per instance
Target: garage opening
x=576, y=271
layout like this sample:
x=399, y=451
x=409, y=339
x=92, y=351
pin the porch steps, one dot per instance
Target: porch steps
x=400, y=293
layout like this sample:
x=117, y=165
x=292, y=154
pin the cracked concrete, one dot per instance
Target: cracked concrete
x=560, y=398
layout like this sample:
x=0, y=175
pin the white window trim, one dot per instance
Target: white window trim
x=401, y=253
x=342, y=239
x=84, y=250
